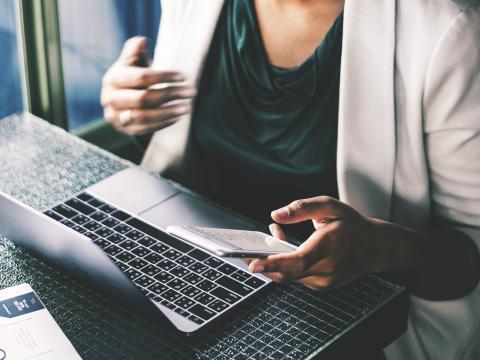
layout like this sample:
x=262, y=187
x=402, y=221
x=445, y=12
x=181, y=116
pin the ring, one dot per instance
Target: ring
x=125, y=117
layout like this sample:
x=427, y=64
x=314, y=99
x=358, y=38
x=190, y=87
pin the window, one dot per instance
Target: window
x=93, y=33
x=10, y=84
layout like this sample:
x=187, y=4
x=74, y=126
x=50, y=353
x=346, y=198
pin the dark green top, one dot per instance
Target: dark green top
x=272, y=131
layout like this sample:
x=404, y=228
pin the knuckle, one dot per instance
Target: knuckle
x=141, y=98
x=297, y=206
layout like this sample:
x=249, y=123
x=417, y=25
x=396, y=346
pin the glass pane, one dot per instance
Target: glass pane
x=10, y=85
x=93, y=33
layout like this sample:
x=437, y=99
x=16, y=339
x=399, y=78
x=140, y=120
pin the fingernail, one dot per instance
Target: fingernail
x=271, y=227
x=282, y=213
x=256, y=268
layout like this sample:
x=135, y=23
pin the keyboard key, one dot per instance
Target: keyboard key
x=102, y=243
x=104, y=232
x=120, y=215
x=110, y=222
x=198, y=254
x=172, y=254
x=153, y=258
x=96, y=203
x=227, y=269
x=80, y=206
x=177, y=284
x=144, y=281
x=234, y=285
x=225, y=295
x=204, y=298
x=79, y=229
x=198, y=267
x=202, y=312
x=158, y=288
x=91, y=235
x=84, y=197
x=128, y=244
x=80, y=219
x=141, y=251
x=132, y=274
x=212, y=274
x=146, y=241
x=193, y=278
x=134, y=235
x=113, y=250
x=65, y=211
x=68, y=223
x=159, y=235
x=151, y=270
x=240, y=275
x=125, y=256
x=213, y=262
x=190, y=291
x=138, y=263
x=170, y=295
x=206, y=285
x=166, y=264
x=122, y=228
x=159, y=248
x=99, y=216
x=185, y=261
x=116, y=238
x=196, y=319
x=107, y=208
x=53, y=215
x=184, y=302
x=164, y=277
x=181, y=311
x=92, y=225
x=218, y=305
x=122, y=266
x=255, y=282
x=179, y=271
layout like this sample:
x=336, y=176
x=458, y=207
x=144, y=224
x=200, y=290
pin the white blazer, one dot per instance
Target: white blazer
x=408, y=139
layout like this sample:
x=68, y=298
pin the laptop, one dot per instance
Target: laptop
x=113, y=235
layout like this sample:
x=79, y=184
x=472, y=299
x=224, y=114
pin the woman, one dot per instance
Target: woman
x=377, y=101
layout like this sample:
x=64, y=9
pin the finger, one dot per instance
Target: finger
x=316, y=282
x=134, y=52
x=298, y=261
x=321, y=208
x=123, y=99
x=148, y=129
x=277, y=231
x=132, y=77
x=146, y=121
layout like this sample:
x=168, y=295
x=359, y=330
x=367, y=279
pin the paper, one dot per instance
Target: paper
x=28, y=330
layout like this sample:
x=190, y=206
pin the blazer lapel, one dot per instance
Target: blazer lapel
x=366, y=131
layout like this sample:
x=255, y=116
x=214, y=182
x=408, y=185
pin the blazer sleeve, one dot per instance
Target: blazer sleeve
x=452, y=124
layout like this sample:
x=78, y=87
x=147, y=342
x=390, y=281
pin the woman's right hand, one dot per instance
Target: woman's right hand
x=128, y=101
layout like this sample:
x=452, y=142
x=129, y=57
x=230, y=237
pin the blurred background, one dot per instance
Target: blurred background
x=89, y=36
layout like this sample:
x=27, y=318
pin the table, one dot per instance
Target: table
x=41, y=164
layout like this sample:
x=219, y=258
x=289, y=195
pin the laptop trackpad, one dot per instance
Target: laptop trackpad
x=133, y=190
x=184, y=209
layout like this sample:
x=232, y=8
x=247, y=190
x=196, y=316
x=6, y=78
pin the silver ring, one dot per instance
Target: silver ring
x=125, y=117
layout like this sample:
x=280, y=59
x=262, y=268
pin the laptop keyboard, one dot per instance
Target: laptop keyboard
x=185, y=279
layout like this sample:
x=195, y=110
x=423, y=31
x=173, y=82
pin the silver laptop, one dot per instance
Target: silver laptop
x=113, y=235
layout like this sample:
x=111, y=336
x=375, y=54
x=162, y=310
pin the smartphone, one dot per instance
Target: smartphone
x=232, y=243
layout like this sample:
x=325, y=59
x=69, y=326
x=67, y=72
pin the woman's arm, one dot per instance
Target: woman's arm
x=439, y=264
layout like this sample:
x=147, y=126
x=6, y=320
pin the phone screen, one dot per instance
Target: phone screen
x=244, y=240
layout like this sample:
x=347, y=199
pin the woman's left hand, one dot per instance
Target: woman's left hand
x=344, y=245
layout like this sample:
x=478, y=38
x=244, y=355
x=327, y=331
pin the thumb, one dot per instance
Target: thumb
x=134, y=52
x=321, y=208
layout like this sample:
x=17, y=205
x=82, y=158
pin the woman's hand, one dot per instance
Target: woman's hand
x=130, y=103
x=344, y=245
